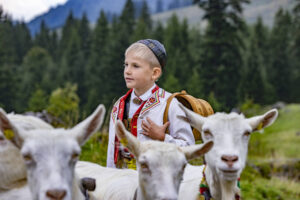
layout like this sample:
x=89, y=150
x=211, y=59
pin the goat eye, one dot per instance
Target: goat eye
x=74, y=156
x=27, y=157
x=145, y=167
x=207, y=133
x=247, y=133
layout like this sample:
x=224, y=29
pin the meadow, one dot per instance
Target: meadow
x=273, y=166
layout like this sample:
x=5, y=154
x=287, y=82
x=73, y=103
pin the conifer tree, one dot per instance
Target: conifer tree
x=253, y=84
x=7, y=41
x=145, y=16
x=158, y=32
x=84, y=33
x=176, y=41
x=36, y=65
x=95, y=74
x=73, y=65
x=295, y=53
x=54, y=45
x=42, y=39
x=126, y=24
x=280, y=69
x=222, y=49
x=23, y=41
x=70, y=26
x=8, y=85
x=144, y=24
x=120, y=38
x=113, y=82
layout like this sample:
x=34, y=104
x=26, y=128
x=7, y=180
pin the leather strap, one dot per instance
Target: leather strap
x=165, y=119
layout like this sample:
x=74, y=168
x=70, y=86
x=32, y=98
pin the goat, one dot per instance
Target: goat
x=226, y=160
x=160, y=168
x=12, y=167
x=50, y=156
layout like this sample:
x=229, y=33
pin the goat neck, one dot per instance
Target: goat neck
x=219, y=188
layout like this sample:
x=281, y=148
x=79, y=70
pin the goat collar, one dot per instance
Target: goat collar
x=204, y=193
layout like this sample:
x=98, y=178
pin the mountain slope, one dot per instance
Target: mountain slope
x=56, y=17
x=264, y=8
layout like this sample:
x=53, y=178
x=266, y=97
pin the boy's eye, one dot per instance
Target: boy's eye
x=125, y=64
x=136, y=66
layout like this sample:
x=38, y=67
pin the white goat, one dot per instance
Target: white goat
x=226, y=160
x=50, y=156
x=12, y=167
x=160, y=168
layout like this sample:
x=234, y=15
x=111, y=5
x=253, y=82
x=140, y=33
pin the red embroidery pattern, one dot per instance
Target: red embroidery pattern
x=152, y=102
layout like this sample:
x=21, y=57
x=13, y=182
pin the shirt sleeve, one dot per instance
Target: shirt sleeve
x=180, y=131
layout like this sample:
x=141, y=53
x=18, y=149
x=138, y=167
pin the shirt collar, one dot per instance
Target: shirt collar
x=144, y=96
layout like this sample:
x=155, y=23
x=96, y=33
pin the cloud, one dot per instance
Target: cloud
x=27, y=9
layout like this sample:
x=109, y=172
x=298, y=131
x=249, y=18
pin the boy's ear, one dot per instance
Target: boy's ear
x=156, y=73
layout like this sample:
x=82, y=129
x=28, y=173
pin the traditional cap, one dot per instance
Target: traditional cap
x=158, y=49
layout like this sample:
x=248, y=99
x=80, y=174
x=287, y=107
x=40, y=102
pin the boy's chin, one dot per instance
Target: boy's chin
x=129, y=86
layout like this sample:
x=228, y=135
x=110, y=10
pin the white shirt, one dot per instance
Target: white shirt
x=133, y=107
x=180, y=131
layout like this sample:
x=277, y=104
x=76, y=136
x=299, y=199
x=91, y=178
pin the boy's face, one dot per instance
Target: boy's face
x=139, y=74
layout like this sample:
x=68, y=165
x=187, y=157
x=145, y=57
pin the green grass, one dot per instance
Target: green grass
x=280, y=141
x=95, y=149
x=278, y=145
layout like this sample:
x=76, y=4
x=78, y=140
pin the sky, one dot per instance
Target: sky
x=27, y=9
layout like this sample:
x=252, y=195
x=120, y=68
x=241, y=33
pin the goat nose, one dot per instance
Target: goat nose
x=56, y=194
x=229, y=159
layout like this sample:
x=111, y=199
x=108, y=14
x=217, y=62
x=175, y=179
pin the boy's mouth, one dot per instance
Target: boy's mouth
x=129, y=79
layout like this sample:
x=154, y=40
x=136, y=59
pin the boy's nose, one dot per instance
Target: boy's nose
x=127, y=70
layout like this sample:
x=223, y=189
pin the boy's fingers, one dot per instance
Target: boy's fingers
x=149, y=120
x=145, y=124
x=145, y=133
x=145, y=128
x=166, y=125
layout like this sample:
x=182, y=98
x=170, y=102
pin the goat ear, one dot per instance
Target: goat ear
x=9, y=130
x=197, y=150
x=262, y=121
x=193, y=118
x=127, y=139
x=90, y=125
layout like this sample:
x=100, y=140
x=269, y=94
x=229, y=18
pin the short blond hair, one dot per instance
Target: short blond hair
x=142, y=51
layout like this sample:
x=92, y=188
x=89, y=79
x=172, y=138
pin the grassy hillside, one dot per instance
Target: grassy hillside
x=273, y=167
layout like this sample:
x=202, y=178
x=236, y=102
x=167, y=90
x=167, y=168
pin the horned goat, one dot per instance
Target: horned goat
x=160, y=168
x=226, y=160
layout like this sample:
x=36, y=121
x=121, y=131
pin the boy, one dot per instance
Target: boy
x=141, y=109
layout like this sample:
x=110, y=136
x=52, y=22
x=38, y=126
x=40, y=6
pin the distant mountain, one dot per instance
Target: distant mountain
x=56, y=17
x=266, y=9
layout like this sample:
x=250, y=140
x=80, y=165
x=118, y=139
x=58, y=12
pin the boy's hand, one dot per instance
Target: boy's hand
x=154, y=131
